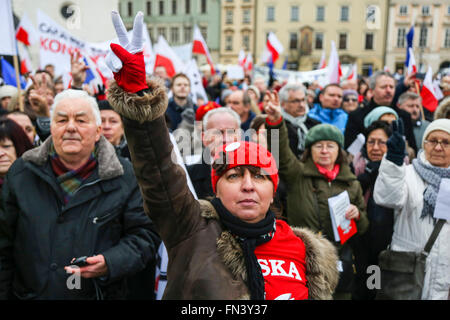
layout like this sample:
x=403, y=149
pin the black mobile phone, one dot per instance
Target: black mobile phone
x=80, y=262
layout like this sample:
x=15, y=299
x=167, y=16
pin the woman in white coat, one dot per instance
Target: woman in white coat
x=411, y=190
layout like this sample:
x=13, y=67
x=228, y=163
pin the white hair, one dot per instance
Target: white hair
x=77, y=94
x=221, y=110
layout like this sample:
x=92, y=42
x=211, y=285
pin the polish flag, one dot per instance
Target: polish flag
x=274, y=46
x=412, y=67
x=323, y=61
x=242, y=59
x=167, y=58
x=353, y=76
x=334, y=66
x=429, y=99
x=25, y=61
x=199, y=47
x=248, y=62
x=25, y=32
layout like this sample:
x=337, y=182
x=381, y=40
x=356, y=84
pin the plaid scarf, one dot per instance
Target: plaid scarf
x=71, y=180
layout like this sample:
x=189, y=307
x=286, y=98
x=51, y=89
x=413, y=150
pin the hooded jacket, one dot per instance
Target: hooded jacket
x=205, y=260
x=39, y=234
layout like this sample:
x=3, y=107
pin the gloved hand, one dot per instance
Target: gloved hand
x=372, y=167
x=396, y=143
x=127, y=60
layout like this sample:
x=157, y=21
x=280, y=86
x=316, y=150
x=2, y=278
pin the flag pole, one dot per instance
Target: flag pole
x=19, y=88
x=421, y=107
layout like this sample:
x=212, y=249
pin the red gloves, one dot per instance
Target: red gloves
x=131, y=77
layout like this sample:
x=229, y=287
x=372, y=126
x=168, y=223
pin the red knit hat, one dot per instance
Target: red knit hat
x=202, y=110
x=244, y=153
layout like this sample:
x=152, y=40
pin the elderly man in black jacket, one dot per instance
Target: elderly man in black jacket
x=69, y=198
x=382, y=84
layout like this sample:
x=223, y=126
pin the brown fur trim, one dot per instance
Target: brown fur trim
x=443, y=109
x=321, y=264
x=146, y=108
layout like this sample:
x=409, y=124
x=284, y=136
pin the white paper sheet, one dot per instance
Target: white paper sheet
x=338, y=206
x=442, y=208
x=357, y=144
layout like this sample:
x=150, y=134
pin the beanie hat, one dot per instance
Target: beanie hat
x=7, y=91
x=324, y=132
x=439, y=124
x=376, y=114
x=349, y=92
x=245, y=153
x=104, y=105
x=256, y=90
x=202, y=110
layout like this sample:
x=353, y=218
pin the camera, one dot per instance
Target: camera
x=80, y=262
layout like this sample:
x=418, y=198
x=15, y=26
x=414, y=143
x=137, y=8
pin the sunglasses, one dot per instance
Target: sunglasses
x=351, y=99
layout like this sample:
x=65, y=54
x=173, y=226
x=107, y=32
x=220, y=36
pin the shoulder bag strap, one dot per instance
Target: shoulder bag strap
x=434, y=235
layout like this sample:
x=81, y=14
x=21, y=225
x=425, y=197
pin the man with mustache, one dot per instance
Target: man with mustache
x=72, y=197
x=382, y=86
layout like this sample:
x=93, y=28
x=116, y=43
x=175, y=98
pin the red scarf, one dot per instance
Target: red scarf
x=330, y=175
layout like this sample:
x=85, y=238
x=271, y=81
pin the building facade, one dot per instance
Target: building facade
x=306, y=29
x=237, y=29
x=175, y=20
x=431, y=43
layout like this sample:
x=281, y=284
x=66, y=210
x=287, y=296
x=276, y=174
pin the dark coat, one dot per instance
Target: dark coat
x=205, y=261
x=41, y=235
x=174, y=112
x=355, y=124
x=200, y=174
x=293, y=134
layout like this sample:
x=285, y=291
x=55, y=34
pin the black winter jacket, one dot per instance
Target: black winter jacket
x=39, y=235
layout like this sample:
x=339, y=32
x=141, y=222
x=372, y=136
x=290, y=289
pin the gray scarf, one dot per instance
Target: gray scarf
x=299, y=124
x=431, y=175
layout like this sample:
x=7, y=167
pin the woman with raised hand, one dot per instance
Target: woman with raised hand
x=412, y=191
x=229, y=248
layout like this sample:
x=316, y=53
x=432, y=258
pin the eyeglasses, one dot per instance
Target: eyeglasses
x=381, y=143
x=296, y=101
x=433, y=143
x=328, y=146
x=350, y=99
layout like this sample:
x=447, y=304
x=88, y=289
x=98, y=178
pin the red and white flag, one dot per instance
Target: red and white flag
x=323, y=61
x=25, y=61
x=353, y=76
x=429, y=99
x=25, y=32
x=248, y=65
x=334, y=66
x=274, y=46
x=167, y=58
x=199, y=47
x=7, y=41
x=412, y=67
x=242, y=58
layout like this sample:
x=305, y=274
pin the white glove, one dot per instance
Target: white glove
x=137, y=41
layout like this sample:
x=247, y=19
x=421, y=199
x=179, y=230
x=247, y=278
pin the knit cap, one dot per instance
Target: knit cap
x=322, y=132
x=202, y=110
x=439, y=124
x=376, y=114
x=245, y=153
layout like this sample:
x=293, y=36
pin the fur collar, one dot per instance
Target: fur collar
x=321, y=257
x=109, y=165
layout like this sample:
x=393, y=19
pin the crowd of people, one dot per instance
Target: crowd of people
x=92, y=175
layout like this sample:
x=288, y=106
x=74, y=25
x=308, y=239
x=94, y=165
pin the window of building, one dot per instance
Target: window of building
x=187, y=34
x=203, y=7
x=293, y=40
x=130, y=8
x=295, y=16
x=228, y=43
x=448, y=10
x=403, y=10
x=174, y=35
x=148, y=6
x=246, y=16
x=320, y=13
x=345, y=13
x=174, y=7
x=368, y=43
x=161, y=8
x=447, y=38
x=318, y=40
x=367, y=69
x=162, y=32
x=342, y=41
x=425, y=10
x=229, y=16
x=270, y=14
x=204, y=32
x=401, y=37
x=246, y=42
x=187, y=6
x=150, y=34
x=423, y=37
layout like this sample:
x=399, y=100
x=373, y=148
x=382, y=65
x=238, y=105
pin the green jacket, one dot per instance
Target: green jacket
x=304, y=183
